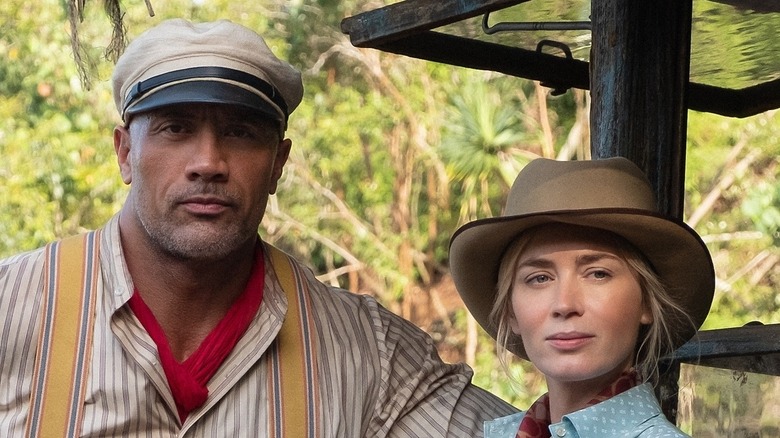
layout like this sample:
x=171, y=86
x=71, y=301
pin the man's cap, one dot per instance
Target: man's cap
x=215, y=62
x=609, y=194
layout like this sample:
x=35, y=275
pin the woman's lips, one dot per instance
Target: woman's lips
x=569, y=341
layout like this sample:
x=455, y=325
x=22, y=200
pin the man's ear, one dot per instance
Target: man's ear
x=122, y=150
x=282, y=154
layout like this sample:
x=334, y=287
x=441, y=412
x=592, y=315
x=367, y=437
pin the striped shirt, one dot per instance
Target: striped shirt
x=377, y=374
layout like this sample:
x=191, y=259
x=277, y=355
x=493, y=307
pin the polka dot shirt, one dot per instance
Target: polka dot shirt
x=633, y=413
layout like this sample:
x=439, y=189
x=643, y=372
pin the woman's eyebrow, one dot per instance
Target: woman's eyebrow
x=536, y=262
x=584, y=259
x=594, y=257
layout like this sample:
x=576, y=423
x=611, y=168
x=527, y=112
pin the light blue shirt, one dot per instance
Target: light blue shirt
x=632, y=413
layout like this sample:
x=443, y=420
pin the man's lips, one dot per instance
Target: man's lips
x=205, y=205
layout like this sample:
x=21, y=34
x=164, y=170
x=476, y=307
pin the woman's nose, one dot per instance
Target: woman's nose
x=568, y=298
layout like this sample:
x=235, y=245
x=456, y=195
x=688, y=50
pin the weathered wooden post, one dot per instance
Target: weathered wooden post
x=639, y=74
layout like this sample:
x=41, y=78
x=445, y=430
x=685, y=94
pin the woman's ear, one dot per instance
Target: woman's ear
x=513, y=324
x=647, y=315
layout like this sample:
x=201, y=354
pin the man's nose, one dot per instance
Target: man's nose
x=208, y=160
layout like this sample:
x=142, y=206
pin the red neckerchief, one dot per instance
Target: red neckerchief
x=536, y=421
x=188, y=380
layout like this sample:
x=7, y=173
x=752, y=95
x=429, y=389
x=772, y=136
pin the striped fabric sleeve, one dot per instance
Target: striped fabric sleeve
x=419, y=394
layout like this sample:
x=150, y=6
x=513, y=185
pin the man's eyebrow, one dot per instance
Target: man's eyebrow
x=172, y=112
x=243, y=118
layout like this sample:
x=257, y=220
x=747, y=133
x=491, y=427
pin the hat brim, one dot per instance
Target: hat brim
x=677, y=254
x=204, y=91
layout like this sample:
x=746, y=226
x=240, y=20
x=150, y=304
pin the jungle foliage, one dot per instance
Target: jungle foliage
x=390, y=156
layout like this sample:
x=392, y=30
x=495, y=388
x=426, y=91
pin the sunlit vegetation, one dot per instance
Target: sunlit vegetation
x=390, y=156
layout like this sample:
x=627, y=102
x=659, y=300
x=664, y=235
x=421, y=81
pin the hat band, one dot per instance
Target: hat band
x=140, y=89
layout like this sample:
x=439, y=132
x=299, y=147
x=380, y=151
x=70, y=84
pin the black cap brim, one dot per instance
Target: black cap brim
x=203, y=91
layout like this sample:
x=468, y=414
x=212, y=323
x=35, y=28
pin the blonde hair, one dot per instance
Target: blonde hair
x=655, y=340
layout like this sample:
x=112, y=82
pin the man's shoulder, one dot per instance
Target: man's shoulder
x=21, y=260
x=21, y=289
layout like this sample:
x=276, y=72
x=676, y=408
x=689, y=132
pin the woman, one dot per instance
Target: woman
x=585, y=279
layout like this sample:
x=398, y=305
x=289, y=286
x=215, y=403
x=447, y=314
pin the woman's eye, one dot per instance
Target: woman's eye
x=538, y=279
x=600, y=274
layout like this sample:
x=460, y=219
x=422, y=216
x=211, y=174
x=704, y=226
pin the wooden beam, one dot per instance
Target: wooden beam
x=552, y=71
x=744, y=102
x=373, y=28
x=754, y=339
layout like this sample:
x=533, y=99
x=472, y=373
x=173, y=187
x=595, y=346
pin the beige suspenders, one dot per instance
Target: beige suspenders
x=65, y=342
x=293, y=369
x=64, y=348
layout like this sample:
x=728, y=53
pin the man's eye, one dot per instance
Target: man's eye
x=174, y=128
x=239, y=133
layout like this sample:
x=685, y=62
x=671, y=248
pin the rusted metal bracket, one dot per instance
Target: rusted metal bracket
x=515, y=26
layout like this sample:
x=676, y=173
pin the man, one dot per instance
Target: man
x=199, y=328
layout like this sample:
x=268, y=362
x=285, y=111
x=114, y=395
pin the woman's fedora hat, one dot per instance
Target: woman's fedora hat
x=609, y=194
